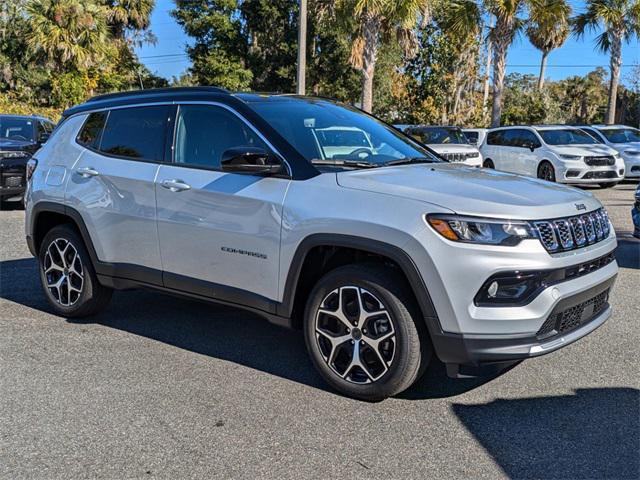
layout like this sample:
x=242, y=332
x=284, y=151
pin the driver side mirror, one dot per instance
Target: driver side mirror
x=250, y=160
x=44, y=136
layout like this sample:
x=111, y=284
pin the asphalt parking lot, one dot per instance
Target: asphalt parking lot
x=159, y=387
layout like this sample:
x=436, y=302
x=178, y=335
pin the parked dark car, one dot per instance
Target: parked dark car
x=20, y=137
x=635, y=214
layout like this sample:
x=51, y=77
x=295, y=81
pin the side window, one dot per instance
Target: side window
x=528, y=138
x=136, y=133
x=511, y=138
x=91, y=131
x=205, y=132
x=595, y=135
x=472, y=137
x=495, y=138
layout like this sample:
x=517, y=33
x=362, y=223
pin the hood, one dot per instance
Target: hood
x=583, y=150
x=453, y=148
x=473, y=191
x=11, y=144
x=621, y=147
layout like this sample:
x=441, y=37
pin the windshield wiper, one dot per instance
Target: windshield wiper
x=405, y=161
x=345, y=163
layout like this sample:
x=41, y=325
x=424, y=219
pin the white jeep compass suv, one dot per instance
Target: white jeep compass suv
x=555, y=153
x=383, y=255
x=625, y=140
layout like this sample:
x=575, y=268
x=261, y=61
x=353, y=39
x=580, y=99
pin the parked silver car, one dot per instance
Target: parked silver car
x=383, y=254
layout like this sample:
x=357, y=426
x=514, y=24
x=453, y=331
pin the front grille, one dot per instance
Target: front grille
x=458, y=157
x=569, y=233
x=604, y=161
x=635, y=169
x=12, y=182
x=600, y=175
x=575, y=316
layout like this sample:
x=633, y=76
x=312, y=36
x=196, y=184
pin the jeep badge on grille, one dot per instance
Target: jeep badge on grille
x=581, y=206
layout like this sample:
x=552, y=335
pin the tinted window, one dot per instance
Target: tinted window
x=593, y=134
x=302, y=124
x=511, y=138
x=495, y=138
x=17, y=128
x=204, y=133
x=566, y=136
x=136, y=132
x=89, y=135
x=439, y=135
x=472, y=137
x=621, y=135
x=527, y=138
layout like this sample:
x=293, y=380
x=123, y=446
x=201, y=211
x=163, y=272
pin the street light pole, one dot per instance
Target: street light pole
x=302, y=48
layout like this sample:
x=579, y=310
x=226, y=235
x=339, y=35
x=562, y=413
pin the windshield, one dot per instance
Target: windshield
x=621, y=135
x=568, y=136
x=439, y=135
x=327, y=133
x=16, y=128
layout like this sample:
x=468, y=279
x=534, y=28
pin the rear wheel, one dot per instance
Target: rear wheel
x=488, y=163
x=363, y=333
x=67, y=275
x=546, y=172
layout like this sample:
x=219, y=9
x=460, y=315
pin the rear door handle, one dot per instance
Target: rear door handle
x=87, y=172
x=175, y=185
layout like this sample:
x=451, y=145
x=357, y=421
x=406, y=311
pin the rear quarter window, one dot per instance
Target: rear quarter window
x=91, y=131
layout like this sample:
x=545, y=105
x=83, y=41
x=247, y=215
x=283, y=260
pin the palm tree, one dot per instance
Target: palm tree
x=620, y=20
x=507, y=24
x=129, y=15
x=549, y=34
x=72, y=34
x=375, y=19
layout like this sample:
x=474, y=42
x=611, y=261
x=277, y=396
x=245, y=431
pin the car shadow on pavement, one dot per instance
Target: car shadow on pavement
x=628, y=253
x=214, y=330
x=594, y=433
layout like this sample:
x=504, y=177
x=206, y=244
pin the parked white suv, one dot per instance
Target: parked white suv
x=381, y=259
x=448, y=142
x=554, y=153
x=625, y=140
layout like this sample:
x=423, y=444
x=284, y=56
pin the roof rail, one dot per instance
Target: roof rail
x=155, y=91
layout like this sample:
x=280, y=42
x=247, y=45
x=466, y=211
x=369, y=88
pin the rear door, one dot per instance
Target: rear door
x=112, y=186
x=219, y=232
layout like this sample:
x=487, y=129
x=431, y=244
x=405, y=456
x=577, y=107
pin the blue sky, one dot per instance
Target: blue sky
x=576, y=57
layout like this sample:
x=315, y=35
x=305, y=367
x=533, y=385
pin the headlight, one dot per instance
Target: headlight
x=481, y=230
x=569, y=157
x=13, y=154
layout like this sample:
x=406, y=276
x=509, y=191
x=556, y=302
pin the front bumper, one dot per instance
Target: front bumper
x=12, y=178
x=482, y=350
x=578, y=172
x=632, y=166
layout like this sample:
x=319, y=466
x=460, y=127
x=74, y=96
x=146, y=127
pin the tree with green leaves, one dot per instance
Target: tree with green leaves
x=220, y=49
x=548, y=33
x=373, y=22
x=620, y=20
x=71, y=34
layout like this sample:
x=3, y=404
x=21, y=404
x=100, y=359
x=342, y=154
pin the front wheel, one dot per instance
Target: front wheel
x=488, y=163
x=546, y=172
x=363, y=333
x=67, y=275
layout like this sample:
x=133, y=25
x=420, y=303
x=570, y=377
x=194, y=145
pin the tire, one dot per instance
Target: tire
x=488, y=163
x=546, y=172
x=398, y=334
x=63, y=254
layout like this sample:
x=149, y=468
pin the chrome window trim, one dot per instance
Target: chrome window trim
x=178, y=103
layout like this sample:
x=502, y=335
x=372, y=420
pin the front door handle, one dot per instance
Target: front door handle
x=87, y=172
x=175, y=185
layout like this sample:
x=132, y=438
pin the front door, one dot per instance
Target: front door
x=219, y=232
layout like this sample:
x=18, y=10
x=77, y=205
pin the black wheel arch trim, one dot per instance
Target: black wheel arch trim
x=394, y=253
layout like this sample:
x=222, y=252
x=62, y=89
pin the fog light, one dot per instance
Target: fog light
x=493, y=289
x=509, y=289
x=572, y=173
